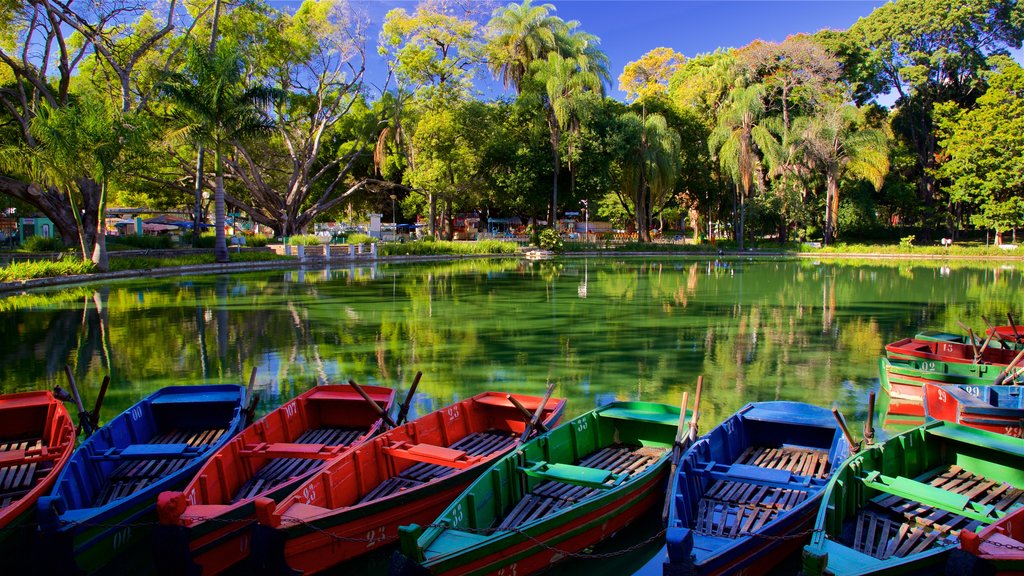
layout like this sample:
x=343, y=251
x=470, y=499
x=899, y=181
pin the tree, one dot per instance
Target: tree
x=213, y=106
x=733, y=141
x=649, y=76
x=984, y=150
x=650, y=166
x=518, y=36
x=930, y=52
x=838, y=144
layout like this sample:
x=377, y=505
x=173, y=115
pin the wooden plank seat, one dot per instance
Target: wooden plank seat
x=895, y=525
x=803, y=461
x=477, y=444
x=20, y=471
x=279, y=470
x=149, y=465
x=551, y=495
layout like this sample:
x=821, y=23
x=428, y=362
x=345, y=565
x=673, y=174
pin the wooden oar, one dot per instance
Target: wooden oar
x=376, y=407
x=94, y=416
x=251, y=398
x=677, y=450
x=981, y=352
x=970, y=332
x=1013, y=326
x=403, y=412
x=524, y=412
x=992, y=330
x=536, y=415
x=974, y=346
x=696, y=408
x=1002, y=375
x=869, y=425
x=84, y=423
x=854, y=446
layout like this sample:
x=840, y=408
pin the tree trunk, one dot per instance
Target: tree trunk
x=197, y=219
x=99, y=251
x=432, y=200
x=220, y=245
x=831, y=195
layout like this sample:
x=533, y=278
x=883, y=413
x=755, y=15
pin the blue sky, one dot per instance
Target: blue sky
x=629, y=29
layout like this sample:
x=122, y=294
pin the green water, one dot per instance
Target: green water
x=601, y=329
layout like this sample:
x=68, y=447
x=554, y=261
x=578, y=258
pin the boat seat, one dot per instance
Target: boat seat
x=882, y=537
x=148, y=451
x=729, y=519
x=290, y=450
x=192, y=437
x=932, y=496
x=431, y=454
x=756, y=476
x=570, y=474
x=640, y=416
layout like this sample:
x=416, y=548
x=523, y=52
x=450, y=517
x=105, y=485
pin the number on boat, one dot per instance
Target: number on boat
x=508, y=571
x=289, y=409
x=375, y=536
x=453, y=413
x=309, y=493
x=122, y=537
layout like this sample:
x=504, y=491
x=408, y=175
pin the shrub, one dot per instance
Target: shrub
x=906, y=243
x=437, y=247
x=141, y=242
x=42, y=244
x=256, y=240
x=548, y=239
x=305, y=240
x=360, y=238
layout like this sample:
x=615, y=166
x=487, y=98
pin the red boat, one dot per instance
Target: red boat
x=997, y=409
x=914, y=349
x=998, y=549
x=37, y=437
x=406, y=475
x=1008, y=332
x=205, y=528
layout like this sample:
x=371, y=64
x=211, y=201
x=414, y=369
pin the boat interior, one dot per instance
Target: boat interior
x=29, y=425
x=915, y=493
x=154, y=439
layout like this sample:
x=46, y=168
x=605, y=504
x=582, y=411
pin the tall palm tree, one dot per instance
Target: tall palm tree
x=735, y=141
x=836, y=143
x=565, y=83
x=650, y=169
x=214, y=107
x=521, y=34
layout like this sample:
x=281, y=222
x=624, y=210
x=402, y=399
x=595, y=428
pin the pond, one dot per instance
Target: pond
x=600, y=329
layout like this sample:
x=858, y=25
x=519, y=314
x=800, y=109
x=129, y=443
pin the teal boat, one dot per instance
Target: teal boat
x=898, y=507
x=554, y=496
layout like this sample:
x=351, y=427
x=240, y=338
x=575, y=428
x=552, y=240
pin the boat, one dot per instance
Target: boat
x=104, y=501
x=205, y=527
x=997, y=550
x=998, y=341
x=1011, y=332
x=745, y=492
x=904, y=380
x=915, y=349
x=37, y=437
x=551, y=497
x=898, y=506
x=997, y=409
x=406, y=475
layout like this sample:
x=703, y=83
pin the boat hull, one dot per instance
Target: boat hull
x=973, y=406
x=205, y=529
x=904, y=380
x=93, y=517
x=947, y=351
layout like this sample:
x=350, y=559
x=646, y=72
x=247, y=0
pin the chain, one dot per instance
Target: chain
x=1003, y=544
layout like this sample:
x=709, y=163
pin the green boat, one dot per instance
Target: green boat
x=898, y=507
x=904, y=380
x=554, y=496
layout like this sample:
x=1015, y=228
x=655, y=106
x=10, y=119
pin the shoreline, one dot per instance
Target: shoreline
x=11, y=288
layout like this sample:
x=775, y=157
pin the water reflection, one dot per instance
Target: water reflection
x=599, y=328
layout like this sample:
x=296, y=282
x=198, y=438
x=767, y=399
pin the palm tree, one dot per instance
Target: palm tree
x=565, y=84
x=734, y=140
x=213, y=107
x=836, y=143
x=521, y=34
x=81, y=142
x=650, y=169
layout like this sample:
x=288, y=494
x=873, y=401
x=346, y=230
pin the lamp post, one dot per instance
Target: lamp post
x=586, y=218
x=394, y=218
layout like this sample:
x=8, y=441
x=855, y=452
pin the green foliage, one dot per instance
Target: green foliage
x=140, y=242
x=548, y=239
x=360, y=238
x=443, y=247
x=907, y=243
x=42, y=244
x=146, y=262
x=305, y=240
x=67, y=266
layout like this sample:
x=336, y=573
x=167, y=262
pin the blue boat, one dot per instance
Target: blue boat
x=104, y=501
x=744, y=493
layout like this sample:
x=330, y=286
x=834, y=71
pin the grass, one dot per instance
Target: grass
x=71, y=266
x=442, y=247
